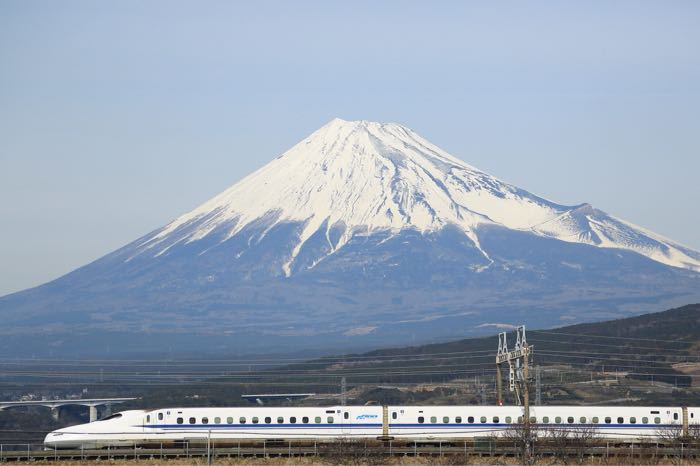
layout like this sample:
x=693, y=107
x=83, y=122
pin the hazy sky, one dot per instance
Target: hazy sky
x=115, y=117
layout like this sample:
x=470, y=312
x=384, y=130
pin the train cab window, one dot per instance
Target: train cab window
x=317, y=419
x=675, y=416
x=557, y=419
x=394, y=415
x=608, y=420
x=292, y=420
x=268, y=420
x=160, y=416
x=509, y=420
x=193, y=420
x=446, y=420
x=180, y=420
x=205, y=420
x=421, y=419
x=458, y=419
x=595, y=420
x=582, y=420
x=483, y=419
x=229, y=420
x=280, y=420
x=620, y=420
x=495, y=420
x=305, y=420
x=545, y=420
x=346, y=415
x=255, y=420
x=330, y=419
x=657, y=420
x=645, y=420
x=148, y=419
x=433, y=419
x=633, y=420
x=217, y=420
x=241, y=420
x=470, y=419
x=570, y=419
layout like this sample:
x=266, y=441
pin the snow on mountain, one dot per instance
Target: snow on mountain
x=361, y=177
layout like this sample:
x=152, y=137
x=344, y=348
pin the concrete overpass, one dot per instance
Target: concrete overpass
x=91, y=403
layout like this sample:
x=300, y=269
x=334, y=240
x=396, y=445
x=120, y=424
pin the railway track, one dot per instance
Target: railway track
x=375, y=451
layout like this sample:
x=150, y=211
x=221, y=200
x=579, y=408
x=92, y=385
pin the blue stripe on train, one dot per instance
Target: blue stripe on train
x=399, y=426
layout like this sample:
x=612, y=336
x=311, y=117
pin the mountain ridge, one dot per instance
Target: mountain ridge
x=360, y=235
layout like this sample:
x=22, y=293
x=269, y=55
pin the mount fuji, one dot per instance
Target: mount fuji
x=362, y=234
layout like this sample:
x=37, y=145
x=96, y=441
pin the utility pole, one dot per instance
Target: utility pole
x=343, y=390
x=518, y=368
x=538, y=385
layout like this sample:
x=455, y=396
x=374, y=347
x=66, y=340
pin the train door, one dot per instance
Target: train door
x=345, y=421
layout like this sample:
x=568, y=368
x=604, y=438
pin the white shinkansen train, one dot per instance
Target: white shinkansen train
x=413, y=423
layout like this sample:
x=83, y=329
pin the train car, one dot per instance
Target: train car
x=413, y=423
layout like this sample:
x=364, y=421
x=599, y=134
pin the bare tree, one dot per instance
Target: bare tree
x=523, y=437
x=674, y=441
x=570, y=443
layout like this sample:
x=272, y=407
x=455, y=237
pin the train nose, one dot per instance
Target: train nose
x=54, y=439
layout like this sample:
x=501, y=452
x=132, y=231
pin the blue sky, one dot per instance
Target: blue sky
x=115, y=117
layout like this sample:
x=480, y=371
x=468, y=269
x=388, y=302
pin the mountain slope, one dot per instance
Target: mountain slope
x=361, y=234
x=365, y=177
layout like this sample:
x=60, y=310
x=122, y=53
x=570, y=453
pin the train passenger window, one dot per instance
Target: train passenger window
x=595, y=420
x=520, y=419
x=557, y=419
x=317, y=419
x=421, y=419
x=433, y=419
x=608, y=420
x=241, y=420
x=582, y=420
x=148, y=418
x=205, y=420
x=620, y=420
x=657, y=420
x=193, y=420
x=445, y=419
x=229, y=420
x=255, y=420
x=533, y=420
x=495, y=419
x=180, y=420
x=330, y=419
x=280, y=420
x=509, y=420
x=645, y=420
x=268, y=420
x=470, y=419
x=346, y=415
x=675, y=416
x=633, y=420
x=217, y=420
x=160, y=416
x=292, y=420
x=483, y=419
x=458, y=419
x=394, y=415
x=545, y=420
x=305, y=420
x=570, y=419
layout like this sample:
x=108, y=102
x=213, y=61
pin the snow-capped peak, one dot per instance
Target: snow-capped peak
x=363, y=176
